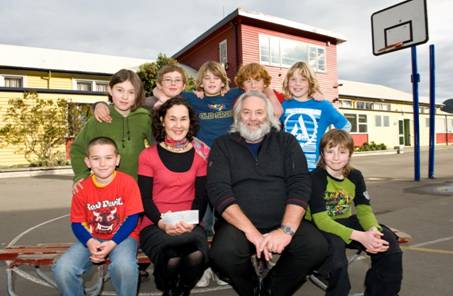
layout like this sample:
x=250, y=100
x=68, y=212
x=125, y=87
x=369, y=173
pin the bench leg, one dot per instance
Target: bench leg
x=9, y=277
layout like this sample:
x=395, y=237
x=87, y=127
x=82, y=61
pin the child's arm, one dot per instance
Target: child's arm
x=278, y=110
x=365, y=214
x=336, y=118
x=101, y=112
x=78, y=147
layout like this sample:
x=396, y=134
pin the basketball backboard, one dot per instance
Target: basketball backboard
x=399, y=26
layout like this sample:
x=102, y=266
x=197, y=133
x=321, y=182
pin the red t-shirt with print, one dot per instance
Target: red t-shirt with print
x=102, y=210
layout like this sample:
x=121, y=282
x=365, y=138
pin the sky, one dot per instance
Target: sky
x=144, y=28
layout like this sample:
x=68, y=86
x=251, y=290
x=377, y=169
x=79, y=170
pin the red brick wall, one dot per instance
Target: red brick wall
x=250, y=53
x=208, y=50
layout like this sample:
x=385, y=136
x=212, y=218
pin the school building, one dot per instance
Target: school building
x=244, y=37
x=80, y=78
x=382, y=114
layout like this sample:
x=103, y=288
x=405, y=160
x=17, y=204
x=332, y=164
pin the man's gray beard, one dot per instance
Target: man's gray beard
x=255, y=135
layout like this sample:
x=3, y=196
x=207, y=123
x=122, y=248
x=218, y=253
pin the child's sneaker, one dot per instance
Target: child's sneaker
x=205, y=279
x=219, y=282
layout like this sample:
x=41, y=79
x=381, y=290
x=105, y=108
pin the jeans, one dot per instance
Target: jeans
x=123, y=270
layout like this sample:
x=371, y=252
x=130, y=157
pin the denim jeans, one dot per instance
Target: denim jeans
x=123, y=270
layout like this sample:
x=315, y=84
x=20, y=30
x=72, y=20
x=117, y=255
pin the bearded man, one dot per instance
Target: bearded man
x=259, y=185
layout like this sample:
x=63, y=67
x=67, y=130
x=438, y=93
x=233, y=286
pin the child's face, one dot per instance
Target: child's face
x=177, y=122
x=298, y=86
x=123, y=96
x=253, y=84
x=212, y=84
x=336, y=158
x=172, y=84
x=102, y=160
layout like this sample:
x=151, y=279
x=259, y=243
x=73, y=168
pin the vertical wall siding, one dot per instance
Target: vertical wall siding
x=250, y=52
x=208, y=50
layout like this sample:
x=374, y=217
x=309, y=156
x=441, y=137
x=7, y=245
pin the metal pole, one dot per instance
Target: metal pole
x=415, y=80
x=432, y=110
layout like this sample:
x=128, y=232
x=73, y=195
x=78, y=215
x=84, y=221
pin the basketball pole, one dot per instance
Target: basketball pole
x=415, y=78
x=432, y=109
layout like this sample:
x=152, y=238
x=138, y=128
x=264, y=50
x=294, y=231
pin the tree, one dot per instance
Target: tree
x=148, y=73
x=37, y=127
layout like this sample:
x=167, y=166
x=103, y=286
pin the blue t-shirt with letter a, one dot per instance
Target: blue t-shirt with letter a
x=308, y=122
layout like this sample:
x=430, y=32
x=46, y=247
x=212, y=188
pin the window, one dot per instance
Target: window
x=378, y=120
x=358, y=122
x=101, y=86
x=381, y=106
x=13, y=81
x=223, y=53
x=346, y=103
x=283, y=52
x=386, y=121
x=364, y=105
x=84, y=85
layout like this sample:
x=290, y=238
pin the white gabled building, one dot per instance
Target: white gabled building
x=385, y=115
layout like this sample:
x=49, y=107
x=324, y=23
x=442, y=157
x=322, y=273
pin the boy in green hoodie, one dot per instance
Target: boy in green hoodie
x=129, y=128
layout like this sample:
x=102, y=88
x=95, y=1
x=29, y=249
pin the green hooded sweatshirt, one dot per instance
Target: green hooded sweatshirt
x=129, y=134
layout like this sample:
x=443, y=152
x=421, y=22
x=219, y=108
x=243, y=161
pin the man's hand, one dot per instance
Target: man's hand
x=77, y=186
x=102, y=112
x=256, y=238
x=275, y=242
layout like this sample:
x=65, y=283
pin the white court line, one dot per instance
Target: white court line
x=14, y=241
x=432, y=242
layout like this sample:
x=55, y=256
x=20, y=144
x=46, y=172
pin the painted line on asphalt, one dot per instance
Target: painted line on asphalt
x=440, y=240
x=428, y=250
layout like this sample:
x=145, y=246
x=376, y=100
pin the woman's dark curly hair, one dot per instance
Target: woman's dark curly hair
x=159, y=115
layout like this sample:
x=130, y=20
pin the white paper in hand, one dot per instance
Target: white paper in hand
x=190, y=217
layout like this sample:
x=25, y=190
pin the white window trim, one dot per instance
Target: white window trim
x=225, y=44
x=3, y=76
x=310, y=45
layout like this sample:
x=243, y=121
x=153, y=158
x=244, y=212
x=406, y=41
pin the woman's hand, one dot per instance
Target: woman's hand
x=77, y=186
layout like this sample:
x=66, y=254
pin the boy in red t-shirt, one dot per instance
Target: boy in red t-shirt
x=104, y=217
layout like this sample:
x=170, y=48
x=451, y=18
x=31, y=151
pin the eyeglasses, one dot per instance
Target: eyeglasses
x=170, y=81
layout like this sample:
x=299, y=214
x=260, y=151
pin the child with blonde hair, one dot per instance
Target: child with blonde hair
x=303, y=116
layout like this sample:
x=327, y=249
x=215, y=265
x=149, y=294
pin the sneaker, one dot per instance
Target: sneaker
x=205, y=279
x=219, y=282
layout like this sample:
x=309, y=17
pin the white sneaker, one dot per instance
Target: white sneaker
x=218, y=280
x=205, y=279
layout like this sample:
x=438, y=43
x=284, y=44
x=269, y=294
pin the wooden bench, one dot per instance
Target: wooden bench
x=41, y=255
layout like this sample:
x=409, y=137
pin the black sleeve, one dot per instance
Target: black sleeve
x=318, y=189
x=201, y=194
x=361, y=193
x=297, y=177
x=220, y=191
x=145, y=184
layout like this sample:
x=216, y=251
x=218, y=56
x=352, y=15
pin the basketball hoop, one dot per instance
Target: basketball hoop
x=392, y=46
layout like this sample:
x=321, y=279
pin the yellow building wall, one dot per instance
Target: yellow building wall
x=8, y=154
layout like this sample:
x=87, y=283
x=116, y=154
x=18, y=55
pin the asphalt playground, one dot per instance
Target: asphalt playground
x=34, y=210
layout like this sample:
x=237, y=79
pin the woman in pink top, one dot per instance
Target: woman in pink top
x=172, y=177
